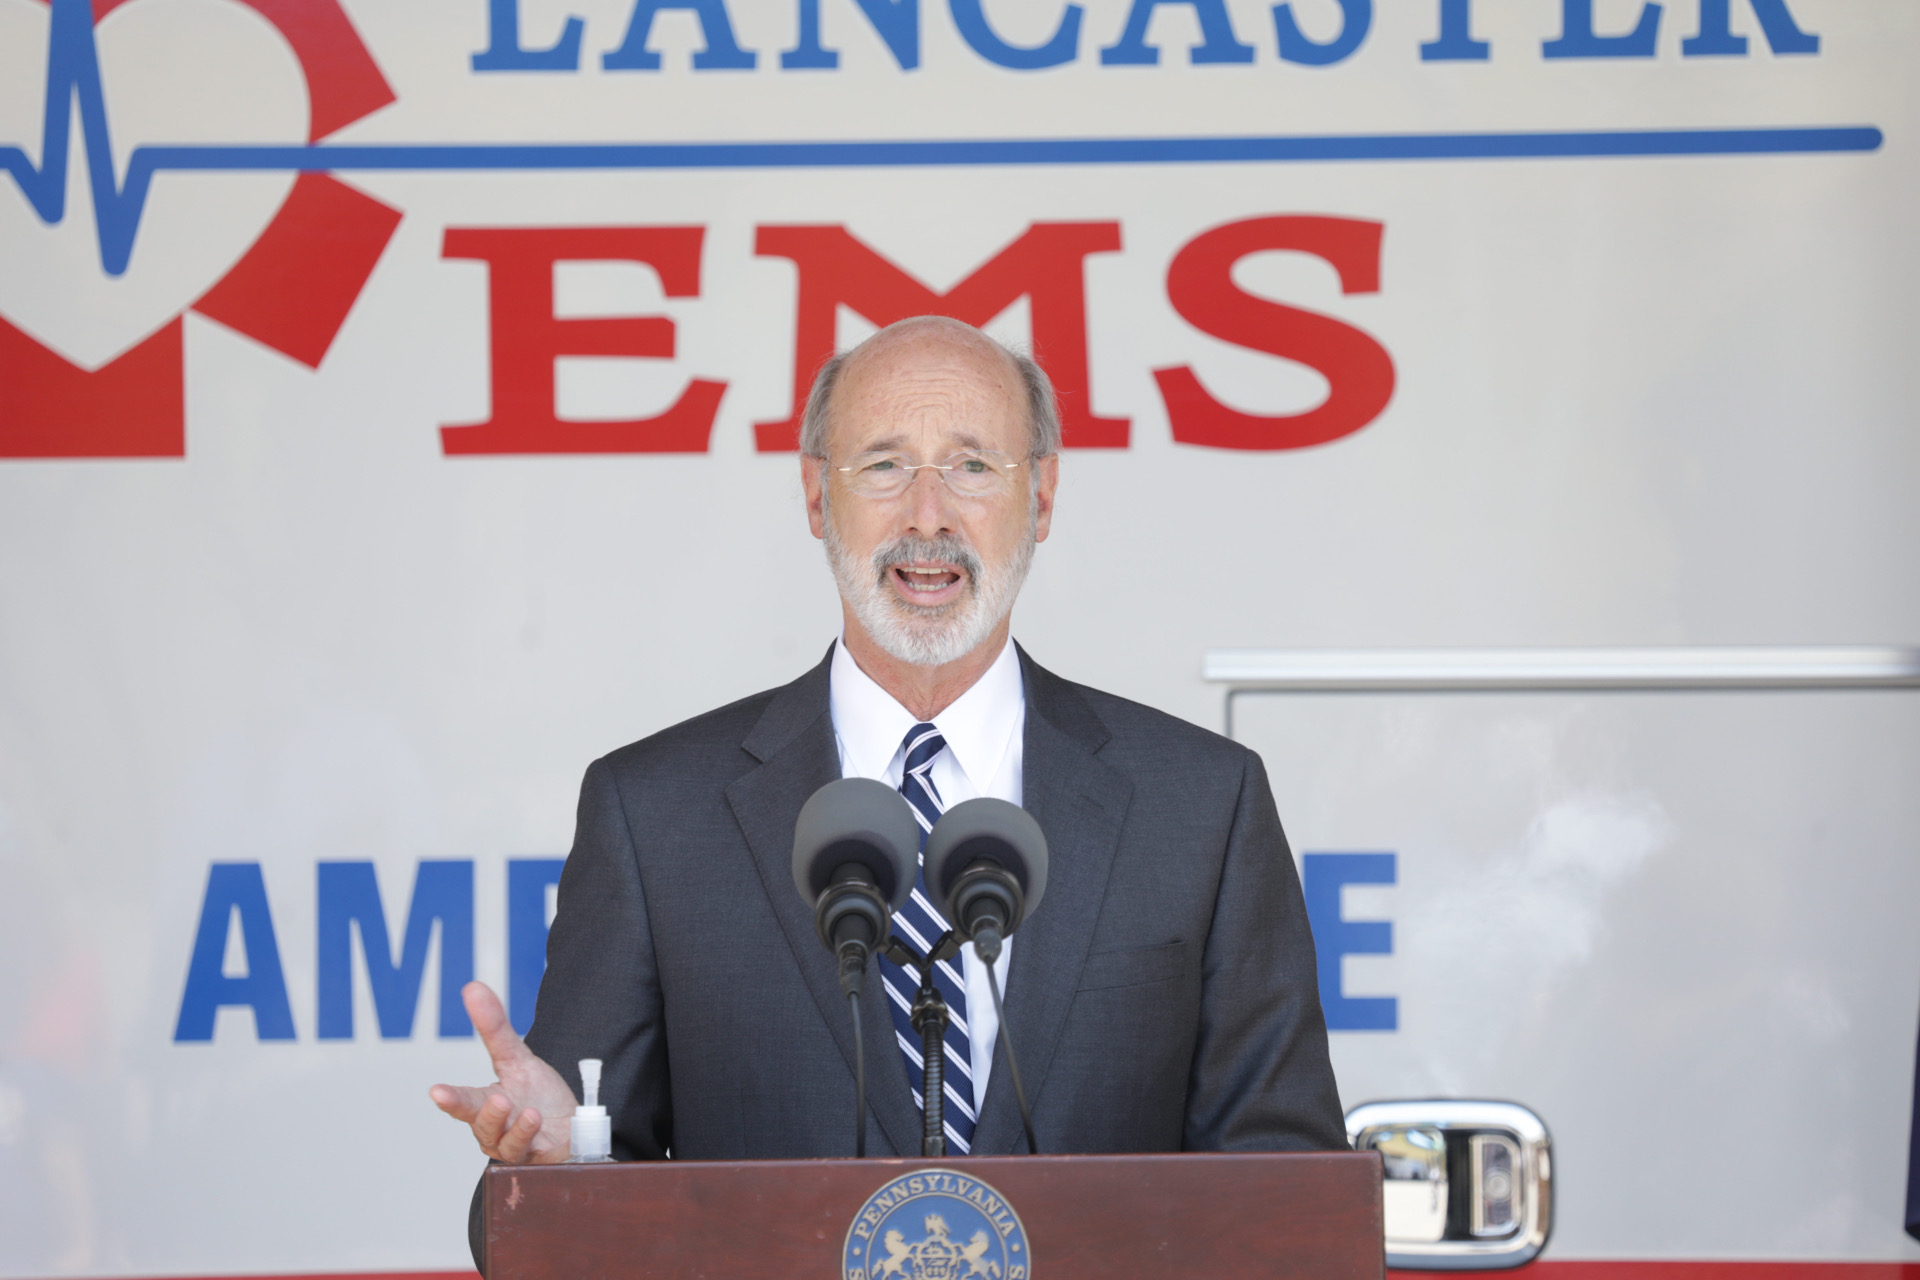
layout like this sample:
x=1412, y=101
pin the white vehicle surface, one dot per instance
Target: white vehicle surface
x=1663, y=897
x=1515, y=399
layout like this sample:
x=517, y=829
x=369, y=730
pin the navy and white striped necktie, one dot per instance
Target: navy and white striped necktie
x=922, y=926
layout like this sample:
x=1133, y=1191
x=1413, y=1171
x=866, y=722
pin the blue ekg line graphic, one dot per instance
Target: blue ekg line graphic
x=73, y=74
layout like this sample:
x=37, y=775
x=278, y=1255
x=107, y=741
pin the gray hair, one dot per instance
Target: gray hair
x=1043, y=410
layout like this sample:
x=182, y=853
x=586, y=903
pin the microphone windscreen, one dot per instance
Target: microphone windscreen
x=856, y=820
x=986, y=828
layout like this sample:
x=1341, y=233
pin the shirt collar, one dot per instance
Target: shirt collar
x=978, y=727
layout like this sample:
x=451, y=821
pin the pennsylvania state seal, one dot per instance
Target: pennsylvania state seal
x=936, y=1225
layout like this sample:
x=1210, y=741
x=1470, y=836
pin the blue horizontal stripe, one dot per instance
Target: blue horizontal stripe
x=117, y=213
x=1016, y=151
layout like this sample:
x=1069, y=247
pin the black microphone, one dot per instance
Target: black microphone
x=855, y=850
x=986, y=867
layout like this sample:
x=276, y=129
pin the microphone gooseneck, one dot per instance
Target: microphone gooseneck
x=1013, y=1066
x=859, y=1076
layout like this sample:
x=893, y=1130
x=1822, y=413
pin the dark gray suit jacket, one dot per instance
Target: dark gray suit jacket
x=1162, y=998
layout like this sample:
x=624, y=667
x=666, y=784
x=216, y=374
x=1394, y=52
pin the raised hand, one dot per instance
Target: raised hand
x=522, y=1117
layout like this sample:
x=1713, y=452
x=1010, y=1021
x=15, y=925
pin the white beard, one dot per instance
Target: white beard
x=919, y=635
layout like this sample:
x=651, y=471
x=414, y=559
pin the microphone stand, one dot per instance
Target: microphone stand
x=929, y=1017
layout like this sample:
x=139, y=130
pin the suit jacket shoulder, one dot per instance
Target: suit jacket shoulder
x=1093, y=714
x=1175, y=770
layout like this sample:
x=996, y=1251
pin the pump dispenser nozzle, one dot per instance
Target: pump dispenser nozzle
x=590, y=1080
x=591, y=1139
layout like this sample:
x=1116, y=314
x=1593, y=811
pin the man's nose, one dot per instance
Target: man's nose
x=929, y=503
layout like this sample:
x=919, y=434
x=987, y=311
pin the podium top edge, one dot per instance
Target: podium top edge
x=910, y=1164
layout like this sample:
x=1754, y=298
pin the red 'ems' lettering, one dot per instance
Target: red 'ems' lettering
x=1359, y=370
x=528, y=337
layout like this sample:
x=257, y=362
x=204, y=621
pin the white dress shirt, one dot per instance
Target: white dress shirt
x=983, y=732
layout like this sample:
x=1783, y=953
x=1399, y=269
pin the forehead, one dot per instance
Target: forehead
x=930, y=395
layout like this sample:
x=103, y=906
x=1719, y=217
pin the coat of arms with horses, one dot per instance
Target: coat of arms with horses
x=937, y=1225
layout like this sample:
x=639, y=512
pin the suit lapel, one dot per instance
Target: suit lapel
x=794, y=741
x=1080, y=804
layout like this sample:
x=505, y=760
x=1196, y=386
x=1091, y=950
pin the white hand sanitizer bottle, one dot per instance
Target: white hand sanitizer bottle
x=591, y=1141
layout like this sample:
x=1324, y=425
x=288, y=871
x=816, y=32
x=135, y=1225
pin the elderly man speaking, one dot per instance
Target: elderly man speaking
x=1163, y=996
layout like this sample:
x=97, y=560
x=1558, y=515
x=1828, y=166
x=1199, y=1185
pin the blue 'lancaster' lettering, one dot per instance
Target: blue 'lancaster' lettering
x=897, y=24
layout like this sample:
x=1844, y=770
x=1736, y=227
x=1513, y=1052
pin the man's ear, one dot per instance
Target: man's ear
x=813, y=481
x=1046, y=474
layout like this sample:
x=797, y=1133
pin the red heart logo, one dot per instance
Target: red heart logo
x=97, y=371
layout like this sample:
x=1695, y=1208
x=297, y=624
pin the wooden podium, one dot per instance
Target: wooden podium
x=1061, y=1217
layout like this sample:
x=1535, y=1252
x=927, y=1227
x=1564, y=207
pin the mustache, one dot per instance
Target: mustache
x=908, y=548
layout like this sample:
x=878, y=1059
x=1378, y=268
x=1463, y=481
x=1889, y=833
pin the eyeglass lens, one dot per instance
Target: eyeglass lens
x=970, y=473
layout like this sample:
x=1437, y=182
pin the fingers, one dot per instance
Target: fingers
x=491, y=1122
x=458, y=1101
x=516, y=1142
x=489, y=1018
x=486, y=1111
x=505, y=1132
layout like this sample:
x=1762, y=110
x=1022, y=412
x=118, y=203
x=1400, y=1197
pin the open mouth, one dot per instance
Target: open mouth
x=926, y=580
